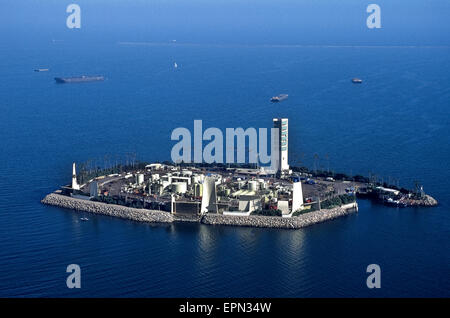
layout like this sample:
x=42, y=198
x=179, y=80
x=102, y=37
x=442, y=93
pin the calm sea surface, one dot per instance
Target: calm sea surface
x=396, y=124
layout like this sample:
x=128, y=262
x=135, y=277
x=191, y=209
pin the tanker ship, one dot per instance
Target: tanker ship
x=79, y=79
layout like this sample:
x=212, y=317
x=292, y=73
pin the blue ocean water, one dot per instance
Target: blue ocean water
x=396, y=124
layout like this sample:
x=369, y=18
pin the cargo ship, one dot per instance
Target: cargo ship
x=79, y=79
x=279, y=98
x=356, y=80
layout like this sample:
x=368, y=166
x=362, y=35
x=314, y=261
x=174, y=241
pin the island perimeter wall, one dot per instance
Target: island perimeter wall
x=140, y=215
x=153, y=216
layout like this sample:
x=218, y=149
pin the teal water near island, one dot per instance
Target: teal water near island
x=395, y=124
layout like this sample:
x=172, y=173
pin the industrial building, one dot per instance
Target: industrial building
x=196, y=191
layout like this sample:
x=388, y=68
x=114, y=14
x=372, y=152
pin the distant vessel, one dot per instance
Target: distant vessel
x=41, y=70
x=279, y=98
x=357, y=80
x=84, y=219
x=175, y=65
x=79, y=79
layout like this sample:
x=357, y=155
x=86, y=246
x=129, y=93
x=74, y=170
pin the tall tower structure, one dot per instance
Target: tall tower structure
x=75, y=185
x=282, y=125
x=209, y=198
x=297, y=196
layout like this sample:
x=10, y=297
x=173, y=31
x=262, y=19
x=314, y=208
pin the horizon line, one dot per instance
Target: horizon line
x=149, y=43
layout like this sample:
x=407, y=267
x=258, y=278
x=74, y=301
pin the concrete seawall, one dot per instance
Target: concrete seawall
x=297, y=222
x=141, y=215
x=144, y=215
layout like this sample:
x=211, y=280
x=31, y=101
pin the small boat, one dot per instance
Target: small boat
x=41, y=70
x=84, y=219
x=356, y=80
x=394, y=203
x=175, y=65
x=279, y=98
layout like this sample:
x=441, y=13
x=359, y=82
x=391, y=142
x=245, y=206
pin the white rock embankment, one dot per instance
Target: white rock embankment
x=140, y=215
x=144, y=215
x=295, y=222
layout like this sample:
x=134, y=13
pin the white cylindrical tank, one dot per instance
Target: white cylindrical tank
x=93, y=189
x=198, y=178
x=253, y=185
x=262, y=184
x=157, y=188
x=198, y=190
x=140, y=178
x=179, y=187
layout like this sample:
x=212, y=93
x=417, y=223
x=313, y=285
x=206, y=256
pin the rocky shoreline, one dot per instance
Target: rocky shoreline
x=152, y=216
x=427, y=201
x=295, y=222
x=119, y=211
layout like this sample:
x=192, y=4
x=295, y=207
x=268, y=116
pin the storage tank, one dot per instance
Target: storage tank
x=93, y=189
x=198, y=190
x=262, y=184
x=198, y=178
x=140, y=178
x=253, y=185
x=156, y=188
x=179, y=187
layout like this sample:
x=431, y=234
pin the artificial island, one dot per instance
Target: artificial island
x=220, y=194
